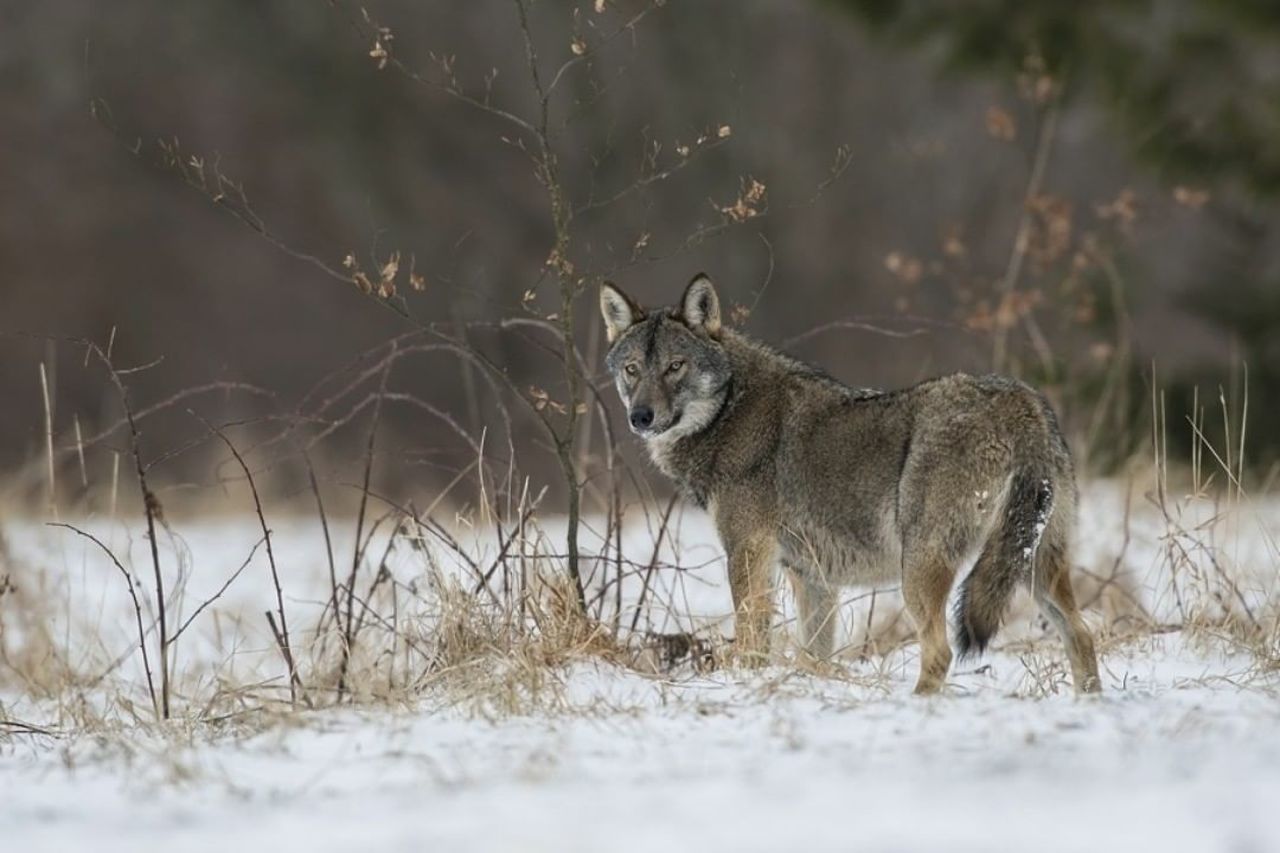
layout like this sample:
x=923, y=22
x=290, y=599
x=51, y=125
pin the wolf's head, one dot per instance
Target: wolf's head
x=669, y=365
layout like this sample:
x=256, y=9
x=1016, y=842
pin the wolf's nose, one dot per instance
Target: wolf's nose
x=642, y=417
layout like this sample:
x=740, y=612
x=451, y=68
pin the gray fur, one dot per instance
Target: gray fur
x=846, y=486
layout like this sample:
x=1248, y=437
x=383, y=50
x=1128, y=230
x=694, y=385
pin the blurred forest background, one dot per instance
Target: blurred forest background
x=1079, y=193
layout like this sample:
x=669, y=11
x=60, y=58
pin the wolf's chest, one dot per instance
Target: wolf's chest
x=663, y=455
x=676, y=460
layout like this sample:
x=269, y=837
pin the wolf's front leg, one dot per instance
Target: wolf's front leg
x=751, y=561
x=748, y=525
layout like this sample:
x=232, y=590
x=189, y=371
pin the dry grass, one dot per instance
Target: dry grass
x=484, y=616
x=33, y=661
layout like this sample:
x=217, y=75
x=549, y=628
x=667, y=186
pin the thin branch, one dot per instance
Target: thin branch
x=13, y=727
x=1022, y=237
x=221, y=590
x=137, y=606
x=294, y=682
x=645, y=181
x=653, y=561
x=369, y=30
x=858, y=325
x=349, y=637
x=591, y=51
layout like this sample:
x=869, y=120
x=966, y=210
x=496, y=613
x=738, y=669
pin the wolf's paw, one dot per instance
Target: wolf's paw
x=1089, y=686
x=823, y=667
x=929, y=686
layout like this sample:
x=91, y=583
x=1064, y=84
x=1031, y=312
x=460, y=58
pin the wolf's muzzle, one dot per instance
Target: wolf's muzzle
x=641, y=417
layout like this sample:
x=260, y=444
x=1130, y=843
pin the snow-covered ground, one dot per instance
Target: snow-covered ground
x=1181, y=752
x=1177, y=755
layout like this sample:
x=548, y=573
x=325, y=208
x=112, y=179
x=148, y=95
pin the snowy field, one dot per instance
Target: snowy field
x=1175, y=756
x=1181, y=752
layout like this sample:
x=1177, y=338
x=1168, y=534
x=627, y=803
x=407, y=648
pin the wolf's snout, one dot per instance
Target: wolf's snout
x=642, y=417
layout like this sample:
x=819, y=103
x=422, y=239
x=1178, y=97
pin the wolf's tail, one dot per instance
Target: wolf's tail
x=1006, y=558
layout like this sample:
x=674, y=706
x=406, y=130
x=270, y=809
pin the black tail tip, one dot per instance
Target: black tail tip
x=973, y=633
x=970, y=642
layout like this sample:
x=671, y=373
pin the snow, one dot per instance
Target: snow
x=1171, y=758
x=1181, y=752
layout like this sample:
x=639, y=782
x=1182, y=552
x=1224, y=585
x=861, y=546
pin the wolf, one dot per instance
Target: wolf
x=842, y=486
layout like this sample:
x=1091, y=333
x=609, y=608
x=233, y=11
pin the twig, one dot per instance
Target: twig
x=1120, y=555
x=294, y=682
x=349, y=637
x=505, y=542
x=137, y=606
x=1022, y=237
x=450, y=87
x=48, y=438
x=221, y=590
x=561, y=217
x=151, y=506
x=653, y=561
x=21, y=728
x=328, y=541
x=858, y=325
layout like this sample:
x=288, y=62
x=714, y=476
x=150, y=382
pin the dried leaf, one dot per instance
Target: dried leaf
x=559, y=263
x=1192, y=198
x=1123, y=208
x=391, y=268
x=1000, y=124
x=906, y=269
x=953, y=246
x=749, y=203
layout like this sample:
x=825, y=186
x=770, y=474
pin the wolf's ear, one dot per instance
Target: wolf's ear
x=619, y=310
x=700, y=305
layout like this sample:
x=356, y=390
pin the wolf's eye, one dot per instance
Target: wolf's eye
x=631, y=370
x=675, y=365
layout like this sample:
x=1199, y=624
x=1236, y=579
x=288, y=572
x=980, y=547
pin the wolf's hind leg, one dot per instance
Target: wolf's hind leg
x=816, y=612
x=926, y=582
x=1051, y=587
